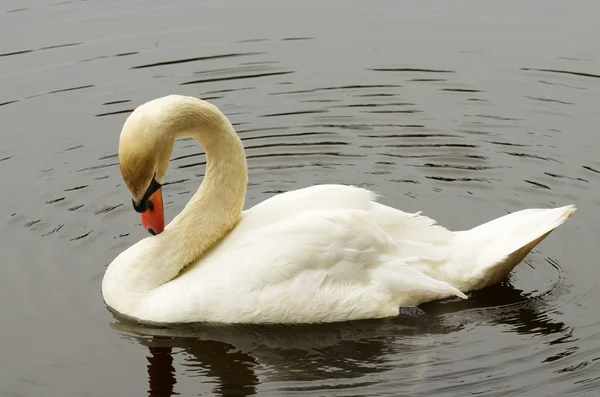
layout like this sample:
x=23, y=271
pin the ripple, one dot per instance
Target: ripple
x=55, y=200
x=531, y=156
x=411, y=70
x=538, y=184
x=76, y=188
x=8, y=103
x=196, y=59
x=71, y=89
x=20, y=52
x=460, y=90
x=241, y=77
x=293, y=113
x=430, y=133
x=81, y=236
x=7, y=54
x=125, y=111
x=582, y=74
x=297, y=38
x=345, y=87
x=562, y=85
x=587, y=167
x=16, y=10
x=116, y=102
x=107, y=209
x=549, y=100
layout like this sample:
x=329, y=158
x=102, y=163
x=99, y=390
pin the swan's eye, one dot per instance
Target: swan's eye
x=140, y=207
x=145, y=203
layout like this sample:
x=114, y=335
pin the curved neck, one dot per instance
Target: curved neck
x=217, y=205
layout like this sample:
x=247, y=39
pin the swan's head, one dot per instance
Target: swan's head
x=144, y=150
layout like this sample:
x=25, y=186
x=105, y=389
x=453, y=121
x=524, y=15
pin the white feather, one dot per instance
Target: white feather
x=320, y=254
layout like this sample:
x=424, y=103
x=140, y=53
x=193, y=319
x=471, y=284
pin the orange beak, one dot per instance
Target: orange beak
x=153, y=218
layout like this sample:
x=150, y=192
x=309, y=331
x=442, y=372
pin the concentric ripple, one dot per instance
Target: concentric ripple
x=431, y=106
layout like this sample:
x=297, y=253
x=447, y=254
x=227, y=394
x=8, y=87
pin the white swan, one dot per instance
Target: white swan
x=320, y=254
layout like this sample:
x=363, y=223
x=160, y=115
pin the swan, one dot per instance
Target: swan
x=324, y=253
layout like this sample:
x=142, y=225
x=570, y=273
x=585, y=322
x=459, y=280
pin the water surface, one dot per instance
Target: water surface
x=464, y=110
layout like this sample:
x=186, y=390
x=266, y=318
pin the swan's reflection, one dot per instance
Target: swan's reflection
x=161, y=373
x=233, y=355
x=503, y=304
x=216, y=360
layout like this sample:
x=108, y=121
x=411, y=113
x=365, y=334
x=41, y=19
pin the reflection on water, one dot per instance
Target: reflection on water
x=432, y=106
x=343, y=354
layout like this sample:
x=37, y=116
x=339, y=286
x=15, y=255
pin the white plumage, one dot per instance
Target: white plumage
x=320, y=254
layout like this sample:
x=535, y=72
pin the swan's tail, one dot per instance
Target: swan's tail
x=487, y=253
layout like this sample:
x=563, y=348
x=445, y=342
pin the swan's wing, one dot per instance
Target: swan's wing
x=318, y=197
x=321, y=265
x=316, y=266
x=398, y=224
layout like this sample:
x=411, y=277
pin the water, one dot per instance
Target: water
x=464, y=110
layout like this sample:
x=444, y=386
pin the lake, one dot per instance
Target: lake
x=463, y=110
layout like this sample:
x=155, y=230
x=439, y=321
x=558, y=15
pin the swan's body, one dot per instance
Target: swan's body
x=320, y=254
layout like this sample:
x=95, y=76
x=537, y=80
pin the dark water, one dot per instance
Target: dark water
x=465, y=110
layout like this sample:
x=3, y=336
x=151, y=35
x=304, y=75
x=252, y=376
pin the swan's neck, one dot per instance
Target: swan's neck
x=212, y=211
x=217, y=205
